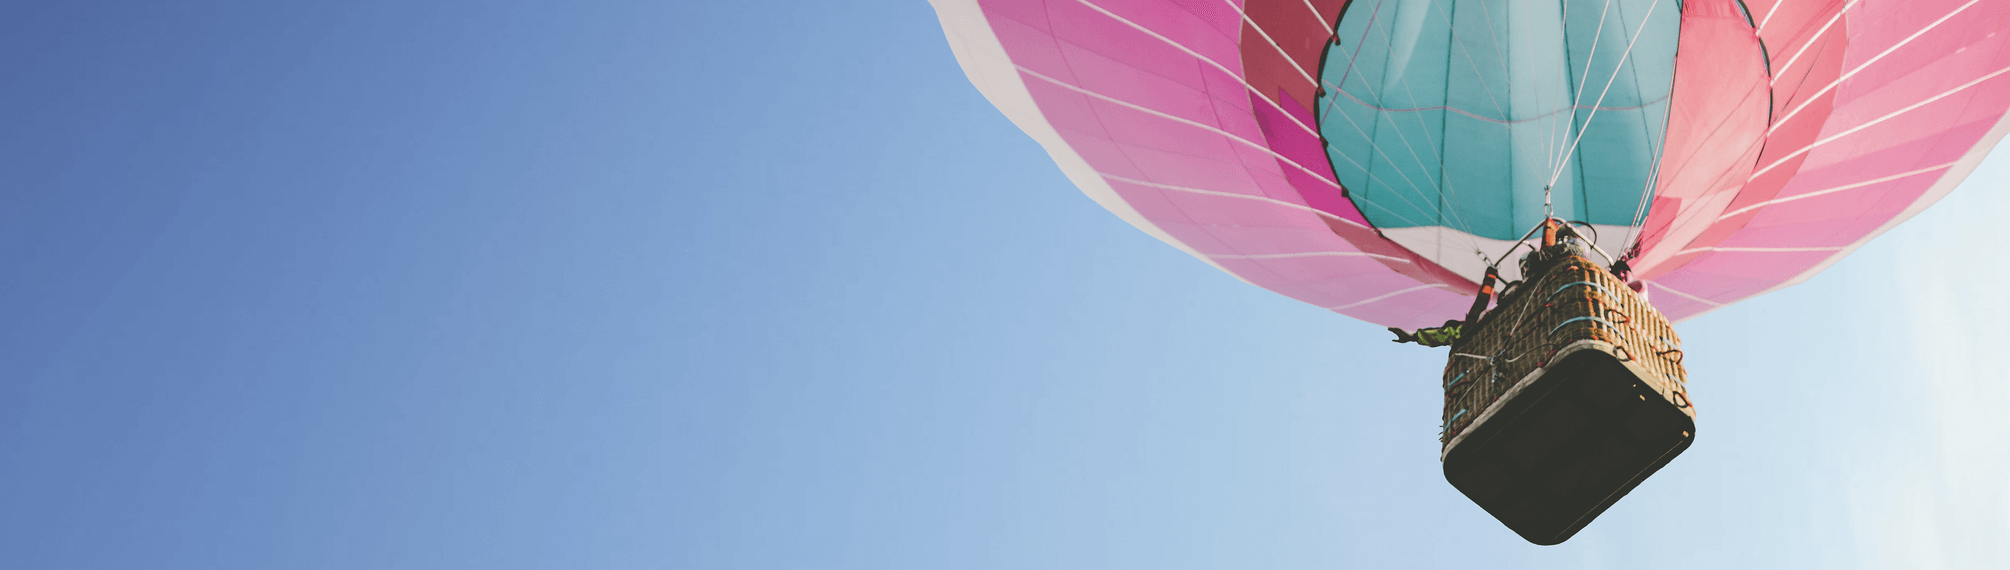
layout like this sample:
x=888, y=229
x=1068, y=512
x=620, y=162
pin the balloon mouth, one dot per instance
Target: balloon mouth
x=1486, y=129
x=1450, y=135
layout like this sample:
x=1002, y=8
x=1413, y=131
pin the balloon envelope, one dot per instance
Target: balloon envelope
x=1372, y=157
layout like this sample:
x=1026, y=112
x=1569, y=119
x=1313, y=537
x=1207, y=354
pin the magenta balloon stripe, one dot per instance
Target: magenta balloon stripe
x=1123, y=90
x=1880, y=114
x=1919, y=107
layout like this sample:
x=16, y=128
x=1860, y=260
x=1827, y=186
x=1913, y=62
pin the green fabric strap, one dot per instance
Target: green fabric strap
x=1438, y=336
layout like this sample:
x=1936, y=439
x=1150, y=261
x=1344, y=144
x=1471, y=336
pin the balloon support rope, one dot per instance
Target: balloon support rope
x=1517, y=245
x=1496, y=263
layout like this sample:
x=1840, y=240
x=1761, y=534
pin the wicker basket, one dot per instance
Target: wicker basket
x=1563, y=398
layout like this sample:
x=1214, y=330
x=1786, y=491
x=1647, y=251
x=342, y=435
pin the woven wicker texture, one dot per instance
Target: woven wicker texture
x=1573, y=299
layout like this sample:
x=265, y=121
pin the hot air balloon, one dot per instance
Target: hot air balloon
x=1390, y=160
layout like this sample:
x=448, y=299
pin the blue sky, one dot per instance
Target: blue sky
x=647, y=285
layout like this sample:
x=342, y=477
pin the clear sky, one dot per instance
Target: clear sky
x=650, y=284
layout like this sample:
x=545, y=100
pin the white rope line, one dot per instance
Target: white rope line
x=1470, y=114
x=1280, y=157
x=1685, y=295
x=1636, y=226
x=1399, y=215
x=1636, y=234
x=1310, y=254
x=1204, y=59
x=1321, y=18
x=1444, y=184
x=1372, y=149
x=1399, y=133
x=1535, y=88
x=1457, y=217
x=1873, y=122
x=1245, y=84
x=1810, y=100
x=1222, y=194
x=1472, y=239
x=1684, y=217
x=1372, y=17
x=1500, y=57
x=1377, y=179
x=1758, y=249
x=1623, y=58
x=1381, y=297
x=1273, y=43
x=1560, y=124
x=1178, y=119
x=1722, y=177
x=1782, y=70
x=1769, y=17
x=1578, y=97
x=1853, y=186
x=1390, y=43
x=1500, y=54
x=1474, y=63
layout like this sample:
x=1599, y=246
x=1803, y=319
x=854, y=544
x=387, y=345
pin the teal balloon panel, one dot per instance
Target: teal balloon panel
x=1459, y=113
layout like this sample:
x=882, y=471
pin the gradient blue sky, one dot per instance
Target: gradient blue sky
x=436, y=285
